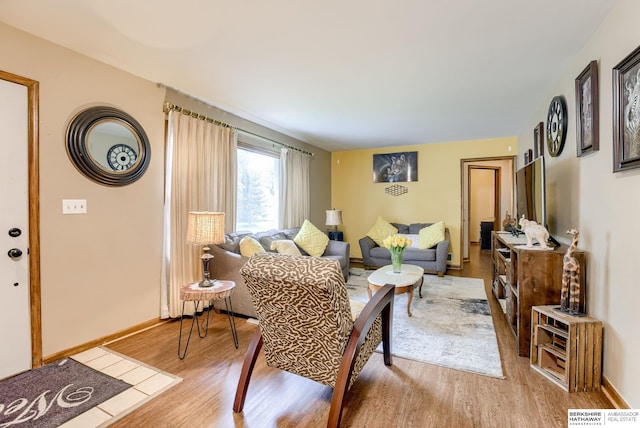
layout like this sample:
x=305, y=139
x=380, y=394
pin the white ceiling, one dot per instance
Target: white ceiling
x=338, y=74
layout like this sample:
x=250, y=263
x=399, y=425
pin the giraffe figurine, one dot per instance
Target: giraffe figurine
x=570, y=294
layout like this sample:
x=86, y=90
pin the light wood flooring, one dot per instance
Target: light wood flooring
x=407, y=394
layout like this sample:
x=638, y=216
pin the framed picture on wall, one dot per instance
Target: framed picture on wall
x=626, y=113
x=395, y=167
x=587, y=127
x=538, y=140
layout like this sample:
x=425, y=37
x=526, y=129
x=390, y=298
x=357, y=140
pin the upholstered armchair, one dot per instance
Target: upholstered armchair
x=307, y=327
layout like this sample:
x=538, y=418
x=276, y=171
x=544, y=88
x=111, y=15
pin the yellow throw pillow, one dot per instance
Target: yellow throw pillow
x=381, y=230
x=249, y=246
x=311, y=239
x=431, y=235
x=285, y=246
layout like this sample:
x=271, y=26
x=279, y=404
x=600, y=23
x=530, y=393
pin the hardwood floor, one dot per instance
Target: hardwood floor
x=407, y=394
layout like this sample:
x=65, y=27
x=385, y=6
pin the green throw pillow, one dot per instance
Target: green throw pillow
x=311, y=239
x=381, y=230
x=431, y=235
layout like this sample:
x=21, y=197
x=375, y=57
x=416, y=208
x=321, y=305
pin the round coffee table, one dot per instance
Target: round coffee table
x=405, y=281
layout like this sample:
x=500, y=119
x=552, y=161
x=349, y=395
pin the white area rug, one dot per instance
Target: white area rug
x=146, y=383
x=451, y=325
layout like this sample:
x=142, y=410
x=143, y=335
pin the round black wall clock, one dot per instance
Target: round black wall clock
x=121, y=157
x=556, y=125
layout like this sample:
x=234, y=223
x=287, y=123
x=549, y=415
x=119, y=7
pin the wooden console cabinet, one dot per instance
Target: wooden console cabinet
x=566, y=349
x=525, y=278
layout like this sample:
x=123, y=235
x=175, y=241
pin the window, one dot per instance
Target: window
x=258, y=190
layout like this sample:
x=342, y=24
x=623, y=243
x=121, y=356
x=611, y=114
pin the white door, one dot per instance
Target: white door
x=15, y=321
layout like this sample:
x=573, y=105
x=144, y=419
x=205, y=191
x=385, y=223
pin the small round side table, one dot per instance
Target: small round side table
x=221, y=290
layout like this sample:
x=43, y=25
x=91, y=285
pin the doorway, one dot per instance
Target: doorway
x=20, y=317
x=487, y=193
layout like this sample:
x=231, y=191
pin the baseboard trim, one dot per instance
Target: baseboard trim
x=613, y=395
x=105, y=339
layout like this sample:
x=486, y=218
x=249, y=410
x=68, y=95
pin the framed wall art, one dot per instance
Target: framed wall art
x=538, y=141
x=587, y=127
x=395, y=167
x=626, y=113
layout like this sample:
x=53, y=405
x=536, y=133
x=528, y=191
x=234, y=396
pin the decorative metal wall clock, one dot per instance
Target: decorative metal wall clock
x=556, y=125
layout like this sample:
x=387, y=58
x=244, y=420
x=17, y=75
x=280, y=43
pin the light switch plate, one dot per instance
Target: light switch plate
x=74, y=206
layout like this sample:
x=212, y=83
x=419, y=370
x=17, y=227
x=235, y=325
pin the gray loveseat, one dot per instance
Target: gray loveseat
x=432, y=260
x=228, y=261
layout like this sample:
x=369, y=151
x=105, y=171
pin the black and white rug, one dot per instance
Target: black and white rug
x=90, y=389
x=451, y=324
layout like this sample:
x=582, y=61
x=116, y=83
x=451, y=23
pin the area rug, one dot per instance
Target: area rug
x=451, y=324
x=90, y=389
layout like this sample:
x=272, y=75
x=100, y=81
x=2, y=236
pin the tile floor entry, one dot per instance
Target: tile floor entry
x=146, y=383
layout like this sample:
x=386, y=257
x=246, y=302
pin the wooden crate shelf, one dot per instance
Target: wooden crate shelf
x=527, y=277
x=566, y=349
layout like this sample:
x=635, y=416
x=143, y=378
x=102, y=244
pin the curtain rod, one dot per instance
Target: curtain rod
x=167, y=107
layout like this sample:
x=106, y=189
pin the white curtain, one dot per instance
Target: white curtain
x=200, y=176
x=294, y=187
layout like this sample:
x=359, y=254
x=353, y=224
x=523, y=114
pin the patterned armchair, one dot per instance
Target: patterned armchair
x=307, y=326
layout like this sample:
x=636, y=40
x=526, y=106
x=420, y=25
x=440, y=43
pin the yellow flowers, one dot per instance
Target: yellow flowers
x=396, y=242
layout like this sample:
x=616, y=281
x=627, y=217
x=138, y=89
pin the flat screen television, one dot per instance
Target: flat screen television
x=531, y=192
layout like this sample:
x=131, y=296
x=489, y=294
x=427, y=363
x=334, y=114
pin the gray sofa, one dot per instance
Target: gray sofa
x=432, y=260
x=227, y=262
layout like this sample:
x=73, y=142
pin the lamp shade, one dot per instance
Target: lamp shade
x=334, y=218
x=205, y=227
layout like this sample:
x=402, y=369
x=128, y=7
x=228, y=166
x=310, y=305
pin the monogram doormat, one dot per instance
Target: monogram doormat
x=451, y=324
x=90, y=389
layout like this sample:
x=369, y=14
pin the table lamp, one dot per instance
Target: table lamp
x=334, y=218
x=205, y=228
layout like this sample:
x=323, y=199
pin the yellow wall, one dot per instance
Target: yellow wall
x=435, y=196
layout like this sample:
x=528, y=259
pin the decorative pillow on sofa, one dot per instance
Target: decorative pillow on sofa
x=285, y=246
x=311, y=239
x=431, y=235
x=266, y=239
x=414, y=238
x=381, y=230
x=249, y=246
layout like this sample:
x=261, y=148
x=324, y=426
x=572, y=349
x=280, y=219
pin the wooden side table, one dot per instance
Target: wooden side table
x=221, y=290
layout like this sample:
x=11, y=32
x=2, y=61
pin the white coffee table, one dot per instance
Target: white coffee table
x=405, y=281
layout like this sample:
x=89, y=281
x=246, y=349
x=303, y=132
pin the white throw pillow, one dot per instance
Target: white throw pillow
x=249, y=246
x=285, y=246
x=413, y=237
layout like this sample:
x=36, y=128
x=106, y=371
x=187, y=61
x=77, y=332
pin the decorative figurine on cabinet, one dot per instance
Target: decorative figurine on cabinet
x=533, y=230
x=509, y=224
x=570, y=293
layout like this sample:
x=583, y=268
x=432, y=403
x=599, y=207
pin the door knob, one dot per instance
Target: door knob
x=14, y=253
x=14, y=232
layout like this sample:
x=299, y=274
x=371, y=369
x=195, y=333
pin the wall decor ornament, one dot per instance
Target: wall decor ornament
x=395, y=167
x=396, y=190
x=587, y=111
x=626, y=113
x=556, y=125
x=108, y=146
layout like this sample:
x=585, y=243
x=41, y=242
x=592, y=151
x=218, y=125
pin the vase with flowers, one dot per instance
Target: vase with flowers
x=396, y=244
